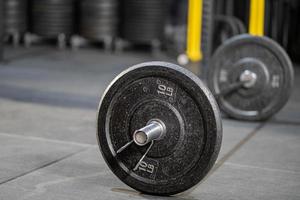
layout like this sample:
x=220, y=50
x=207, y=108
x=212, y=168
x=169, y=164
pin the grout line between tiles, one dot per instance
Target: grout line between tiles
x=42, y=166
x=46, y=140
x=234, y=149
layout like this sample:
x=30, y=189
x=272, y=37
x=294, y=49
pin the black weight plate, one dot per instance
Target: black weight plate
x=53, y=2
x=134, y=16
x=62, y=28
x=99, y=31
x=15, y=28
x=131, y=14
x=144, y=28
x=55, y=21
x=48, y=23
x=142, y=7
x=143, y=20
x=141, y=35
x=52, y=17
x=52, y=12
x=50, y=26
x=96, y=2
x=241, y=26
x=144, y=4
x=106, y=5
x=59, y=7
x=146, y=19
x=51, y=30
x=13, y=20
x=225, y=28
x=103, y=20
x=99, y=35
x=58, y=17
x=99, y=23
x=194, y=132
x=267, y=60
x=21, y=16
x=94, y=13
x=150, y=25
x=14, y=3
x=139, y=39
x=98, y=18
x=2, y=31
x=15, y=15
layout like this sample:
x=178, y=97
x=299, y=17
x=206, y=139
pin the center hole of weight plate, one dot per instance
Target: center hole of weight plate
x=140, y=137
x=155, y=129
x=249, y=78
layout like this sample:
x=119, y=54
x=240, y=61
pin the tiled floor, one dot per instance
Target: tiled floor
x=48, y=148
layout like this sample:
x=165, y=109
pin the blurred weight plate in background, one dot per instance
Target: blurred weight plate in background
x=143, y=21
x=52, y=17
x=99, y=18
x=15, y=12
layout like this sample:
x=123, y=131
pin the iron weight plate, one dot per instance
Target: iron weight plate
x=192, y=141
x=15, y=16
x=267, y=60
x=52, y=17
x=99, y=19
x=143, y=21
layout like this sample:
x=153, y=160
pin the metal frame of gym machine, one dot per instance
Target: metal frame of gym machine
x=197, y=22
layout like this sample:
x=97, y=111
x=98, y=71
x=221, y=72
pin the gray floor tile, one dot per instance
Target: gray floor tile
x=20, y=156
x=291, y=112
x=67, y=124
x=63, y=78
x=83, y=176
x=241, y=182
x=233, y=133
x=274, y=146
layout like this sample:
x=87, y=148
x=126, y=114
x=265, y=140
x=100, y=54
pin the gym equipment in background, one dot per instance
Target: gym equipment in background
x=251, y=75
x=15, y=21
x=51, y=19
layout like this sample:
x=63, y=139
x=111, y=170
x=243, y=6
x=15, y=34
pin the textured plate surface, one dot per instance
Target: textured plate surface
x=178, y=98
x=268, y=61
x=15, y=12
x=99, y=18
x=52, y=17
x=143, y=21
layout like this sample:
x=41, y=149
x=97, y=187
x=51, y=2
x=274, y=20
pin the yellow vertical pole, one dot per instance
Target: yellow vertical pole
x=257, y=17
x=194, y=30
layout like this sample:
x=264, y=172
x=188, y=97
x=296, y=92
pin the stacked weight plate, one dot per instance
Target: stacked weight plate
x=15, y=12
x=143, y=21
x=52, y=17
x=1, y=30
x=98, y=18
